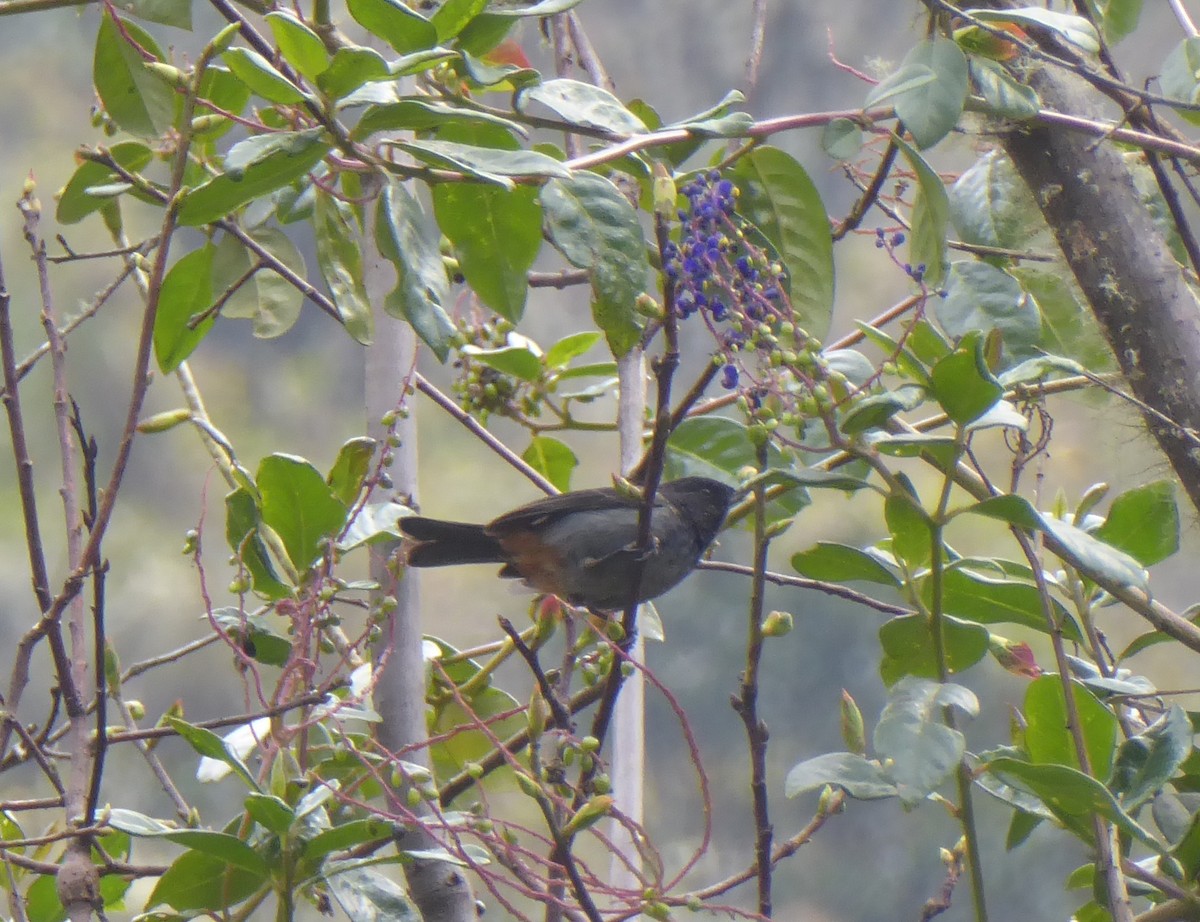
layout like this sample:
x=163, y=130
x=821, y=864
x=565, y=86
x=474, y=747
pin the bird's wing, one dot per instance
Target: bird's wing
x=552, y=508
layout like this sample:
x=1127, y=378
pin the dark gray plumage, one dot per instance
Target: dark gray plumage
x=581, y=546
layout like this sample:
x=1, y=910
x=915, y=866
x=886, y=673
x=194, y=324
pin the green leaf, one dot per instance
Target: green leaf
x=406, y=237
x=981, y=297
x=840, y=563
x=266, y=298
x=374, y=524
x=930, y=110
x=1119, y=18
x=345, y=835
x=301, y=46
x=139, y=101
x=985, y=600
x=1047, y=738
x=942, y=450
x=908, y=647
x=75, y=201
x=582, y=104
x=196, y=881
x=1071, y=796
x=777, y=196
x=930, y=217
x=453, y=15
x=990, y=205
x=713, y=446
x=296, y=154
x=842, y=139
x=270, y=812
x=962, y=382
x=496, y=234
x=1095, y=556
x=489, y=164
x=1074, y=29
x=350, y=68
x=1144, y=523
x=1004, y=96
x=1010, y=508
x=228, y=848
x=1149, y=760
x=912, y=736
x=553, y=459
x=874, y=411
x=570, y=347
x=858, y=776
x=186, y=292
x=299, y=505
x=350, y=469
x=177, y=13
x=393, y=21
x=257, y=73
x=424, y=115
x=910, y=529
x=208, y=744
x=1068, y=326
x=596, y=228
x=519, y=361
x=339, y=254
x=242, y=520
x=365, y=895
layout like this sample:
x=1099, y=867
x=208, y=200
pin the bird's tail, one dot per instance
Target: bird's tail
x=444, y=544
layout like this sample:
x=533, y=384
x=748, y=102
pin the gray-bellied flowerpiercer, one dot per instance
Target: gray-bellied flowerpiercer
x=582, y=546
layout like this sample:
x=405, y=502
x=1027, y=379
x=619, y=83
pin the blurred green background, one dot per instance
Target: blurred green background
x=303, y=394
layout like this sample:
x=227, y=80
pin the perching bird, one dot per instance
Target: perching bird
x=582, y=546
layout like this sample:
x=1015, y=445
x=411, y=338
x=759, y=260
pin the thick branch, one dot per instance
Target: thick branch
x=1124, y=267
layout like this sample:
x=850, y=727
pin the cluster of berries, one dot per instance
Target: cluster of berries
x=720, y=274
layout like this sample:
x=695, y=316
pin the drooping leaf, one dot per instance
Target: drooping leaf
x=196, y=881
x=267, y=298
x=1047, y=738
x=136, y=99
x=496, y=234
x=350, y=469
x=551, y=458
x=981, y=297
x=299, y=505
x=596, y=228
x=930, y=218
x=185, y=295
x=777, y=196
x=583, y=104
x=909, y=526
x=990, y=205
x=1071, y=796
x=912, y=734
x=408, y=238
x=340, y=256
x=290, y=156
